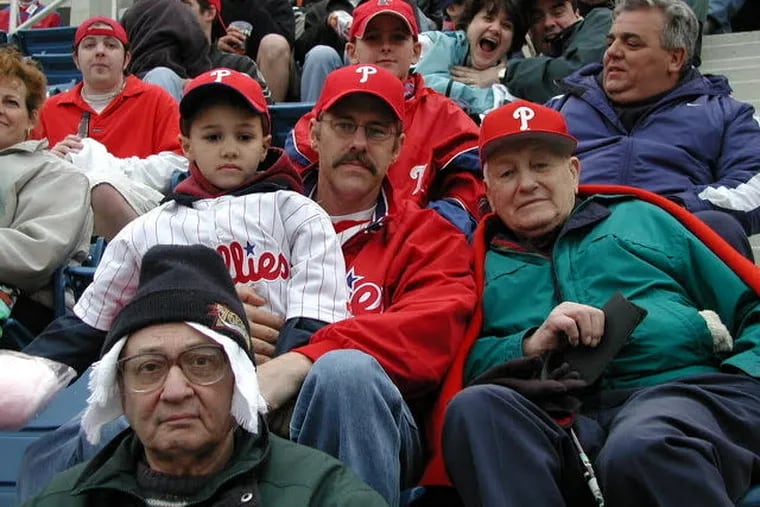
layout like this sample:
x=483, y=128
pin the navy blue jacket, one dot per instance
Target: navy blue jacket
x=697, y=145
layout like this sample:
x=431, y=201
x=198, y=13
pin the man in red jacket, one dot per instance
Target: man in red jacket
x=27, y=9
x=122, y=132
x=360, y=384
x=438, y=165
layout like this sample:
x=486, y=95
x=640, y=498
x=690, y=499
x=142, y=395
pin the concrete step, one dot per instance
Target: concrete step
x=735, y=73
x=744, y=62
x=722, y=39
x=746, y=91
x=738, y=50
x=755, y=242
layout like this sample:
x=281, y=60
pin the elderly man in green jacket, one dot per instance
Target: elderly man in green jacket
x=672, y=404
x=177, y=362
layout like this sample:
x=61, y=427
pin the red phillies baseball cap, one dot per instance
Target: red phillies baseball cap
x=113, y=29
x=367, y=11
x=362, y=78
x=520, y=121
x=209, y=83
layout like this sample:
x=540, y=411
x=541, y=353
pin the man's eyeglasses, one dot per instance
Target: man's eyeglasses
x=374, y=131
x=202, y=365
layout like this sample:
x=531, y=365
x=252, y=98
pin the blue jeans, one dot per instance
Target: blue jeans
x=166, y=79
x=349, y=408
x=58, y=450
x=317, y=64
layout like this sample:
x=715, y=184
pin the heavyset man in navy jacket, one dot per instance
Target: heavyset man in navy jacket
x=646, y=118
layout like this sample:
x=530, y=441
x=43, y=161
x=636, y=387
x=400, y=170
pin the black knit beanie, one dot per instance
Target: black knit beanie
x=183, y=284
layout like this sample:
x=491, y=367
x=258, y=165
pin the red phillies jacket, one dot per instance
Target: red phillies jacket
x=435, y=473
x=439, y=158
x=411, y=292
x=142, y=120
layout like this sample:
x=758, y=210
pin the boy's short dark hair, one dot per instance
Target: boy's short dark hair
x=515, y=13
x=218, y=97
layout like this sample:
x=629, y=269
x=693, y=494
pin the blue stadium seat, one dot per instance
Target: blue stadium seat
x=13, y=444
x=284, y=117
x=37, y=41
x=76, y=278
x=751, y=499
x=59, y=68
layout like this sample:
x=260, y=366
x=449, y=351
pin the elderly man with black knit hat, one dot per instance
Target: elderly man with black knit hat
x=177, y=363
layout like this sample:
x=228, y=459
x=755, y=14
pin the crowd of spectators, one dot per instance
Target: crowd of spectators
x=429, y=263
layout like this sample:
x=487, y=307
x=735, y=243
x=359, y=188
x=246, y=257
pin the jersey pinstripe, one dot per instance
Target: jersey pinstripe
x=281, y=243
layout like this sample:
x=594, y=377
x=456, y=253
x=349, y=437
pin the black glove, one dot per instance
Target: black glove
x=547, y=386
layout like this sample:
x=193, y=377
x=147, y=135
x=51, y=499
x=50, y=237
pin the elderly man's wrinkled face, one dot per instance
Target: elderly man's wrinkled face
x=636, y=66
x=531, y=188
x=182, y=425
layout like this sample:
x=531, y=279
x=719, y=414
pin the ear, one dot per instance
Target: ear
x=187, y=147
x=677, y=60
x=417, y=50
x=351, y=52
x=75, y=57
x=266, y=143
x=397, y=146
x=127, y=59
x=34, y=115
x=314, y=134
x=574, y=164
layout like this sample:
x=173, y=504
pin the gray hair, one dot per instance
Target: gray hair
x=681, y=26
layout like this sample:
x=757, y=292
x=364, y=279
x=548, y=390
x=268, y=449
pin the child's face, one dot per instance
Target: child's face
x=227, y=144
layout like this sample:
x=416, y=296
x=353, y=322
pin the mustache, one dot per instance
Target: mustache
x=356, y=156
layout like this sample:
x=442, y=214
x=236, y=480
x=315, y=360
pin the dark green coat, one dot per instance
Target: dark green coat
x=288, y=475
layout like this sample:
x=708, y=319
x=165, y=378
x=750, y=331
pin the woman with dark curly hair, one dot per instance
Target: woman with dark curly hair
x=467, y=64
x=45, y=216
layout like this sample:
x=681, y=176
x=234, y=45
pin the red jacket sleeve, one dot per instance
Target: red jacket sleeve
x=431, y=296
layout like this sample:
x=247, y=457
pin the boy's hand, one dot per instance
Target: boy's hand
x=473, y=77
x=72, y=143
x=265, y=325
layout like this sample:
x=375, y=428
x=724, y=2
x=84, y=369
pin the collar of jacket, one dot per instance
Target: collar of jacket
x=115, y=466
x=382, y=207
x=588, y=210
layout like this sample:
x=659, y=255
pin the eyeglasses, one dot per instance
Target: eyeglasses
x=202, y=365
x=374, y=131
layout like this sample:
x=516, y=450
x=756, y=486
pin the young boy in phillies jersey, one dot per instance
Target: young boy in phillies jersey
x=242, y=198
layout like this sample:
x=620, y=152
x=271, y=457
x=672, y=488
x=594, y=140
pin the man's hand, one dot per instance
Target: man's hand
x=232, y=42
x=280, y=379
x=265, y=325
x=72, y=143
x=573, y=322
x=474, y=77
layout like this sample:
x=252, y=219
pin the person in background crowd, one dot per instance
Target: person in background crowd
x=647, y=118
x=466, y=64
x=122, y=132
x=27, y=9
x=208, y=14
x=270, y=44
x=565, y=42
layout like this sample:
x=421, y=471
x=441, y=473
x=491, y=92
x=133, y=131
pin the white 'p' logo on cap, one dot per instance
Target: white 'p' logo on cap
x=366, y=71
x=524, y=114
x=220, y=74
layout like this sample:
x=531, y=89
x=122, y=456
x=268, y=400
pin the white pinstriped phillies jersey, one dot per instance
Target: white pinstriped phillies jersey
x=280, y=242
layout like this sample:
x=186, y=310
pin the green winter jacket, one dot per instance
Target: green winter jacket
x=615, y=243
x=537, y=78
x=287, y=474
